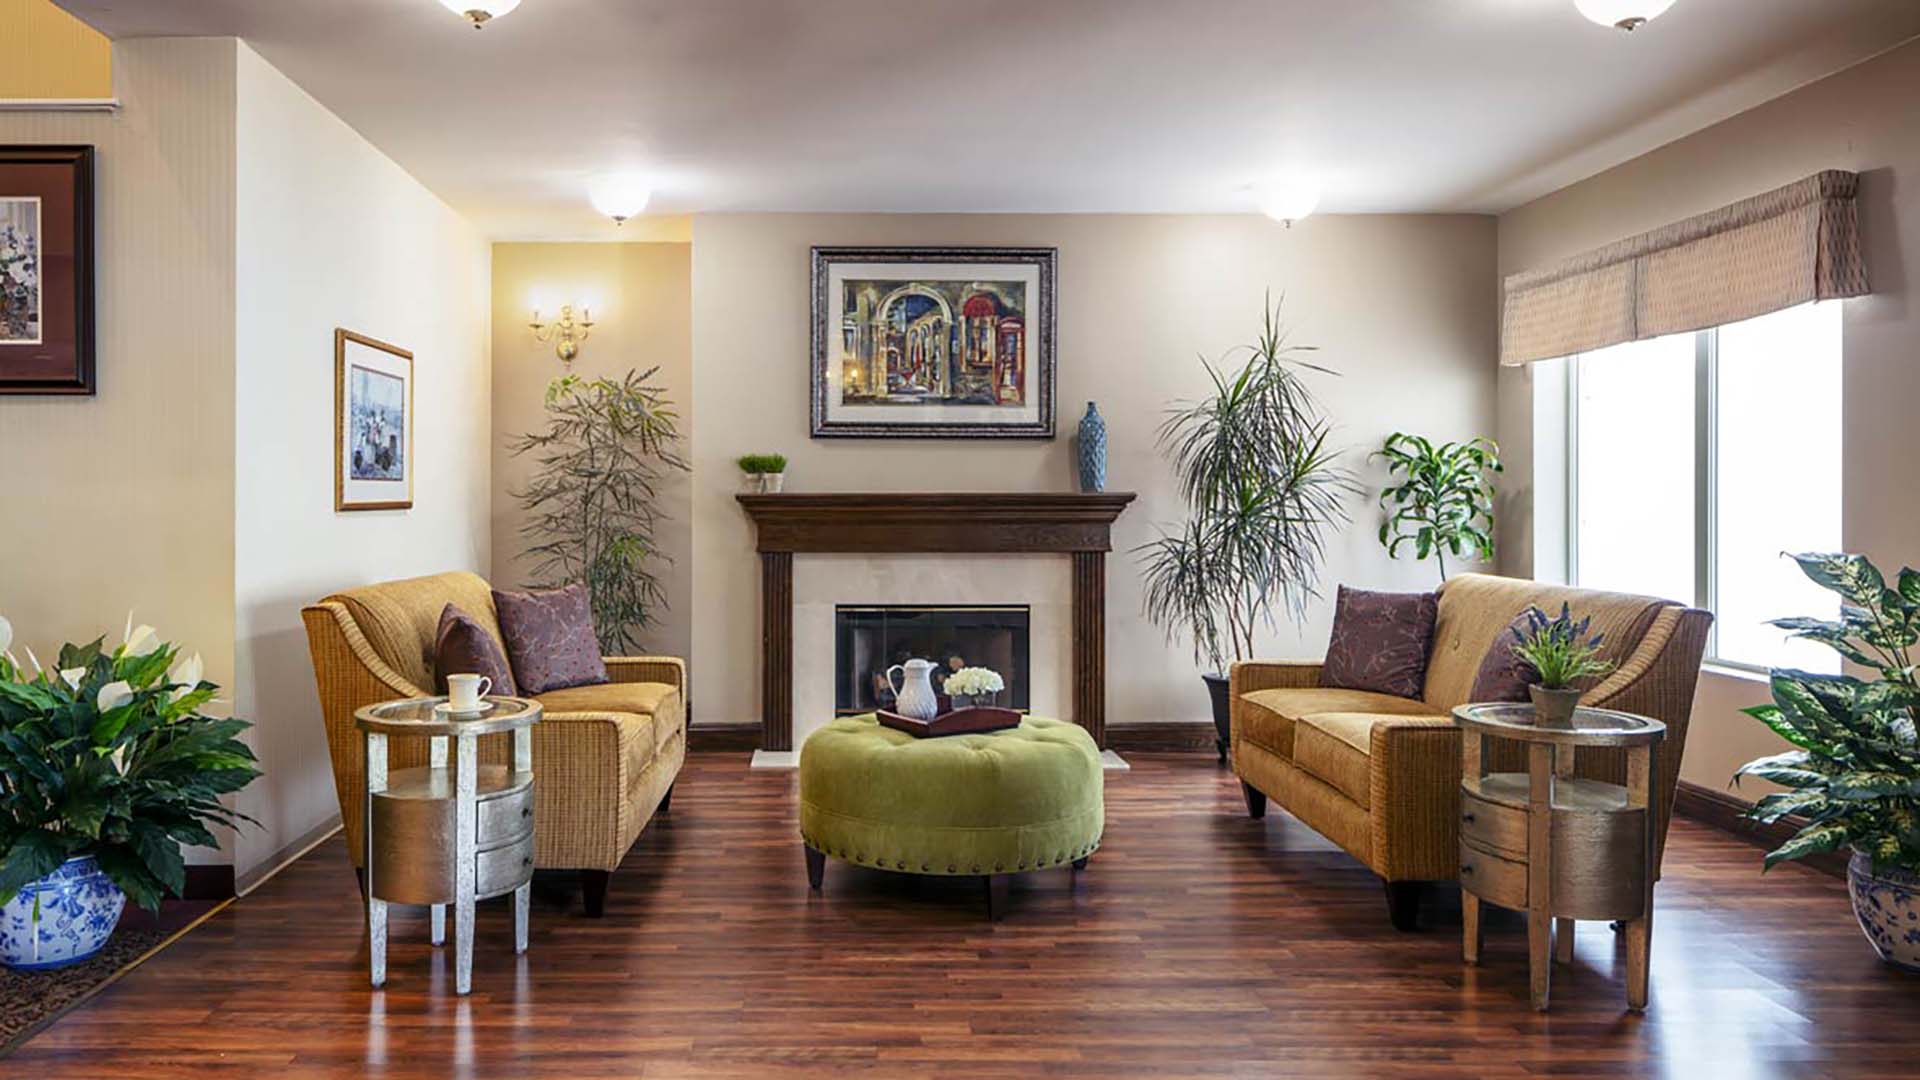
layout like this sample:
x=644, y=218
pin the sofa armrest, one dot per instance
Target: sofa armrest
x=580, y=800
x=659, y=669
x=1250, y=675
x=1414, y=794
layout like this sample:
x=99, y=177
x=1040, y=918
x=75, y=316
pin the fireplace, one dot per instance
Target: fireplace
x=869, y=639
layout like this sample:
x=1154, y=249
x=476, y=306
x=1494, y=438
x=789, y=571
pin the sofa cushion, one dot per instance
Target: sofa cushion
x=550, y=639
x=464, y=646
x=659, y=702
x=1267, y=717
x=1380, y=642
x=1337, y=748
x=1475, y=610
x=401, y=619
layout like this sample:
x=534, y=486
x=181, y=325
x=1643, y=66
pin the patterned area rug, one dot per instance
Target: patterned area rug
x=29, y=999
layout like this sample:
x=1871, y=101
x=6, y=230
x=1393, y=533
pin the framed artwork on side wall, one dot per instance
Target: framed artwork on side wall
x=373, y=450
x=46, y=270
x=928, y=342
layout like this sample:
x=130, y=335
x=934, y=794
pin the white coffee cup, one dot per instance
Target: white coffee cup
x=465, y=691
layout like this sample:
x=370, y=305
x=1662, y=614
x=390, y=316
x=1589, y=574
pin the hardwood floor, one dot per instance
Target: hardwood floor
x=1197, y=943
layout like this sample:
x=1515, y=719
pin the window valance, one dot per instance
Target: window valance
x=1789, y=246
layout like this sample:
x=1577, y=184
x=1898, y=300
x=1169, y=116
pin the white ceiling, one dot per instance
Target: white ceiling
x=1020, y=105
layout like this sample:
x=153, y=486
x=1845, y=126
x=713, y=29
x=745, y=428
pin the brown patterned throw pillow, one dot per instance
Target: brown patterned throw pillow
x=550, y=638
x=463, y=647
x=1380, y=642
x=1502, y=675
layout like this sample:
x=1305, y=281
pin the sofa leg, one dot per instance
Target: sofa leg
x=666, y=801
x=1403, y=904
x=1256, y=800
x=593, y=889
x=816, y=867
x=360, y=875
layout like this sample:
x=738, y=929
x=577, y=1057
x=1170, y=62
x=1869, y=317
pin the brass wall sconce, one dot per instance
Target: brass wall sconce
x=566, y=331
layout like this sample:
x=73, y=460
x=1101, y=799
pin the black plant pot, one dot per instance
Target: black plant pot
x=1222, y=723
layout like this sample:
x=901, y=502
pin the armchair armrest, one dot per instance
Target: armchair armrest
x=1413, y=785
x=1250, y=675
x=660, y=669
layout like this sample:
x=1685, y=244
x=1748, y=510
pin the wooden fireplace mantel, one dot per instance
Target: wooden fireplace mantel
x=926, y=522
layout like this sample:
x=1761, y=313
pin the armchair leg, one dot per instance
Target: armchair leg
x=593, y=889
x=1403, y=904
x=1256, y=800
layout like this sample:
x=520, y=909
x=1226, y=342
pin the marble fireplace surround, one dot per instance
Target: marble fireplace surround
x=1045, y=550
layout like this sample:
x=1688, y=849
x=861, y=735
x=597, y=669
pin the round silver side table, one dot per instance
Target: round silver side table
x=1557, y=846
x=447, y=833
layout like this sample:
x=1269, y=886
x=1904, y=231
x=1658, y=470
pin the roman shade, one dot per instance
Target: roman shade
x=1789, y=246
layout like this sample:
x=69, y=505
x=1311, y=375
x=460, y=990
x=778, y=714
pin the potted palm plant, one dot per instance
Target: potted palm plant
x=1854, y=771
x=1441, y=500
x=1262, y=486
x=107, y=767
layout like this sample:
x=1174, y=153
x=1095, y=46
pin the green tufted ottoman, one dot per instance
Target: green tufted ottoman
x=1027, y=798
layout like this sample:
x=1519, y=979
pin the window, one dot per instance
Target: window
x=1695, y=460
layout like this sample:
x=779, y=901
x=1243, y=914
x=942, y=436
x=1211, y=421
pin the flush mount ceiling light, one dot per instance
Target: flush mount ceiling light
x=1623, y=14
x=1288, y=201
x=479, y=12
x=620, y=197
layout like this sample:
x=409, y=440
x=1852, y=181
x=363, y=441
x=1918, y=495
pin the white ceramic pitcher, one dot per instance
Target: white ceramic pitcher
x=913, y=694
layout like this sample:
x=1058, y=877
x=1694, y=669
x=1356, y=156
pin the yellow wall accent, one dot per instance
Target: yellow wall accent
x=51, y=54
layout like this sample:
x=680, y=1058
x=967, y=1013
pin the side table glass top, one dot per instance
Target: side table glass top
x=1589, y=726
x=418, y=716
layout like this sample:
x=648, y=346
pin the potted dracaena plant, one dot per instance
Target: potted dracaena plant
x=1853, y=772
x=1561, y=653
x=1262, y=487
x=1441, y=498
x=107, y=767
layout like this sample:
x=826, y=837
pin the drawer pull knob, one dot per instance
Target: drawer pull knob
x=1468, y=818
x=526, y=811
x=1466, y=869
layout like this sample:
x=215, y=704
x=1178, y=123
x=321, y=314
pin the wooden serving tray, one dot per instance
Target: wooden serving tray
x=969, y=721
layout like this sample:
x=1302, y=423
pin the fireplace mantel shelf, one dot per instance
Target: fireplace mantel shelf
x=936, y=521
x=929, y=523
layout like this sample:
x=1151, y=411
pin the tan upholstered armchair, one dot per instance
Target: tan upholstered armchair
x=606, y=756
x=1380, y=775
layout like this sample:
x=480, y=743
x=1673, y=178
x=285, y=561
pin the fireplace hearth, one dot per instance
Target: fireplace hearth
x=869, y=639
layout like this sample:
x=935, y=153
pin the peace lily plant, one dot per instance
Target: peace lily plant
x=106, y=756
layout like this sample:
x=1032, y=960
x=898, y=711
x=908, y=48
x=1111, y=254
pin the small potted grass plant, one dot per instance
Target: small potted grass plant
x=1561, y=652
x=766, y=473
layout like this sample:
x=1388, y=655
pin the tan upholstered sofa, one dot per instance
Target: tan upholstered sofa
x=1380, y=775
x=605, y=756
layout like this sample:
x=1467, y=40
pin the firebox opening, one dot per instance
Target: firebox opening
x=869, y=639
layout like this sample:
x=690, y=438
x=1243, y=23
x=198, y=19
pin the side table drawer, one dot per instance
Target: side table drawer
x=504, y=868
x=1493, y=826
x=505, y=816
x=1492, y=878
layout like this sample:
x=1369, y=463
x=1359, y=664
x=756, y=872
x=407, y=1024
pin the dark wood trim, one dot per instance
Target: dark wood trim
x=723, y=738
x=209, y=882
x=776, y=650
x=1727, y=812
x=1161, y=736
x=1090, y=643
x=936, y=522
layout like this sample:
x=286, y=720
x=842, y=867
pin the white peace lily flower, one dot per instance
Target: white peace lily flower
x=139, y=640
x=113, y=695
x=6, y=634
x=36, y=660
x=187, y=673
x=120, y=759
x=72, y=676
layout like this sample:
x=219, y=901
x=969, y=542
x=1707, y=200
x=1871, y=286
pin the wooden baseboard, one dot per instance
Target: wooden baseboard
x=723, y=738
x=1727, y=812
x=1160, y=736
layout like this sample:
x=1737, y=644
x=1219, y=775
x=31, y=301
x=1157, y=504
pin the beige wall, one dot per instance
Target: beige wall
x=333, y=233
x=1863, y=119
x=1403, y=306
x=641, y=298
x=50, y=54
x=125, y=499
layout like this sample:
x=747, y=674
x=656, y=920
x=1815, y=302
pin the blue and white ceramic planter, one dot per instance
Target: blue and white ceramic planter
x=78, y=908
x=1888, y=907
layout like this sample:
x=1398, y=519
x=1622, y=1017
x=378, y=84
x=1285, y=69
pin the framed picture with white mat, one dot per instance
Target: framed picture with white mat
x=373, y=451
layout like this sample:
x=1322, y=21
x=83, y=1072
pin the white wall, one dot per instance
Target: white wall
x=125, y=499
x=1402, y=305
x=331, y=233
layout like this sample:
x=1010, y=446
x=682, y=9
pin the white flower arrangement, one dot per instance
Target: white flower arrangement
x=972, y=681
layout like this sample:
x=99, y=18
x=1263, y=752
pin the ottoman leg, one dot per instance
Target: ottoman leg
x=1081, y=862
x=996, y=896
x=816, y=867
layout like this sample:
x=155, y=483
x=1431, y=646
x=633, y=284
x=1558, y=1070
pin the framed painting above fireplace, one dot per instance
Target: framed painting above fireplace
x=933, y=342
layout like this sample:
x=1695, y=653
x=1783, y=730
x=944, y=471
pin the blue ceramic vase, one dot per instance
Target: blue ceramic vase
x=1093, y=450
x=79, y=905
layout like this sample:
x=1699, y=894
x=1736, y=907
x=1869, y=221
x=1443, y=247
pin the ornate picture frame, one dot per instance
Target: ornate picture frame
x=374, y=455
x=46, y=270
x=933, y=342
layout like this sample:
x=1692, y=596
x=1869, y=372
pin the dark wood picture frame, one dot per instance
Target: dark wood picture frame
x=342, y=500
x=60, y=179
x=1039, y=324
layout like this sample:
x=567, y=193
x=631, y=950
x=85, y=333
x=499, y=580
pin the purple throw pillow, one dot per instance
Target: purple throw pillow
x=1502, y=675
x=1380, y=642
x=463, y=647
x=550, y=639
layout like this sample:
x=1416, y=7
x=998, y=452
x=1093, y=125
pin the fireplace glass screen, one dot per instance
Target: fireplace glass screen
x=870, y=639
